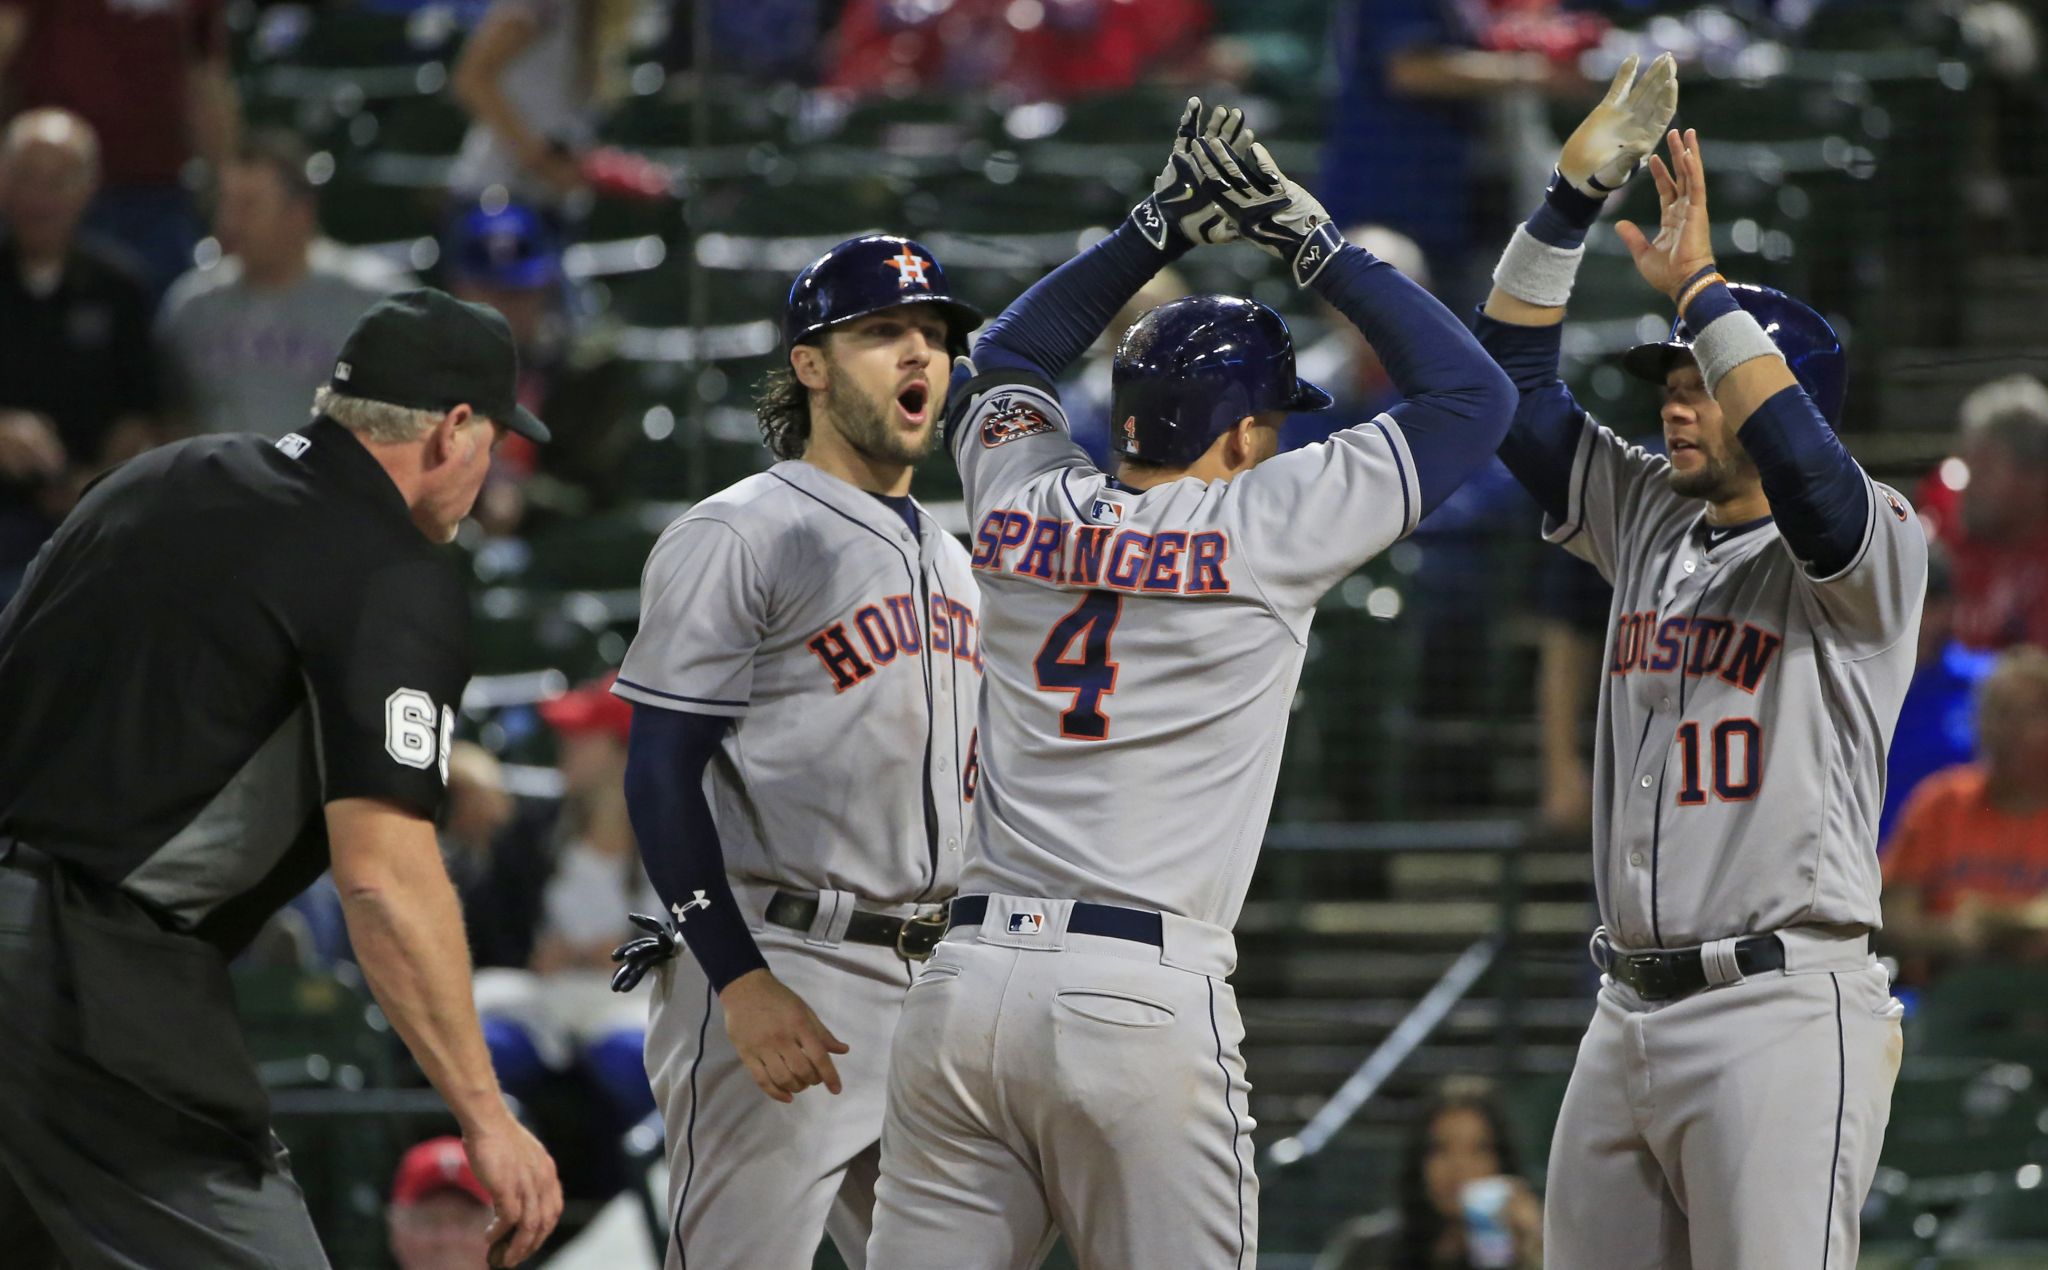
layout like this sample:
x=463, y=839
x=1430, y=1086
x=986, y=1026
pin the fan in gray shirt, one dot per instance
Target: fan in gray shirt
x=244, y=344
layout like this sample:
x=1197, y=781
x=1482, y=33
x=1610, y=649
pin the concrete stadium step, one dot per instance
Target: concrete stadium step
x=1268, y=971
x=1436, y=923
x=1366, y=1023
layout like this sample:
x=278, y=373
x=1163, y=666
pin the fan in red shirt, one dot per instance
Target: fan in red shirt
x=151, y=77
x=1038, y=49
x=1989, y=506
x=1966, y=871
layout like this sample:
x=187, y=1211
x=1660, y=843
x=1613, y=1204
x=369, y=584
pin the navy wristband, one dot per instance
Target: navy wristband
x=1565, y=215
x=1704, y=297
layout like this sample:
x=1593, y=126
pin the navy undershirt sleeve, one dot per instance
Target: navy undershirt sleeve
x=665, y=762
x=1543, y=442
x=1818, y=494
x=1457, y=403
x=1054, y=322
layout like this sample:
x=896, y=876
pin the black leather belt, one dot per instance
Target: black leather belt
x=913, y=938
x=1664, y=975
x=1140, y=926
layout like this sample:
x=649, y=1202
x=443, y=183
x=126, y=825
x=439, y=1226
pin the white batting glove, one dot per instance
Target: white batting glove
x=1177, y=198
x=1266, y=207
x=1604, y=152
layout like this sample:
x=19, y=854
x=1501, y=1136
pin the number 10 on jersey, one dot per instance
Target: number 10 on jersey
x=1076, y=659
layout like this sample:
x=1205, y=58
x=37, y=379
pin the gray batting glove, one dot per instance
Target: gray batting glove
x=1266, y=207
x=1177, y=198
x=1605, y=150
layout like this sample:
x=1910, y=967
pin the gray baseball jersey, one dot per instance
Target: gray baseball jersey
x=804, y=608
x=848, y=651
x=1747, y=710
x=1143, y=649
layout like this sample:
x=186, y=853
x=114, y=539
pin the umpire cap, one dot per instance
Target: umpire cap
x=426, y=350
x=1191, y=368
x=865, y=275
x=1810, y=345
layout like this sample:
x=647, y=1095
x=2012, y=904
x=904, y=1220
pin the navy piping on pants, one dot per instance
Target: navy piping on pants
x=675, y=1230
x=1841, y=1098
x=1235, y=1155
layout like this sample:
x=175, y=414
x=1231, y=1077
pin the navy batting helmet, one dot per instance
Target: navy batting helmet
x=1810, y=345
x=1191, y=368
x=863, y=275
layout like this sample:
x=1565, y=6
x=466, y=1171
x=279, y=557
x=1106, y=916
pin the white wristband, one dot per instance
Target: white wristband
x=1537, y=273
x=1728, y=342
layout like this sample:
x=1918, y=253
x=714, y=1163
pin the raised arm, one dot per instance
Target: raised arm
x=1521, y=323
x=1456, y=402
x=1818, y=494
x=1065, y=312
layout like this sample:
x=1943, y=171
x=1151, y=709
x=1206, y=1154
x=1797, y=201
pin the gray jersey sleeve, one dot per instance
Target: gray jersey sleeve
x=1305, y=520
x=1007, y=427
x=1874, y=602
x=1617, y=489
x=703, y=610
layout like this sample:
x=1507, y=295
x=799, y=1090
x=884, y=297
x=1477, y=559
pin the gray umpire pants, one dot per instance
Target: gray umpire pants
x=133, y=1131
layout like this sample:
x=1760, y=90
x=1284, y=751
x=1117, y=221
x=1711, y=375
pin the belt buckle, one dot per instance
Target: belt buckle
x=920, y=934
x=1651, y=976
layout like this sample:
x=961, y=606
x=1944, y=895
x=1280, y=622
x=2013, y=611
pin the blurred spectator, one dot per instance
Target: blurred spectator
x=1404, y=123
x=1966, y=877
x=562, y=1010
x=1086, y=389
x=1342, y=361
x=1460, y=1138
x=1937, y=722
x=532, y=76
x=439, y=1210
x=497, y=857
x=76, y=384
x=152, y=79
x=1989, y=507
x=245, y=342
x=510, y=258
x=1044, y=49
x=1571, y=607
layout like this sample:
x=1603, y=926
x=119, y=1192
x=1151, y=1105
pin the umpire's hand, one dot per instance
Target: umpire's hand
x=526, y=1199
x=785, y=1047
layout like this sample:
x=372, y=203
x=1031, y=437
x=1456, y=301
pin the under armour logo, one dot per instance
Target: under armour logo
x=293, y=445
x=682, y=909
x=909, y=269
x=342, y=370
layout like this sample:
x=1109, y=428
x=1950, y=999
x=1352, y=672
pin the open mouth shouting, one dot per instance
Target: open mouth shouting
x=912, y=400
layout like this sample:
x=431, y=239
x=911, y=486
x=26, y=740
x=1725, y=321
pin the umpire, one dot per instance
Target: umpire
x=237, y=660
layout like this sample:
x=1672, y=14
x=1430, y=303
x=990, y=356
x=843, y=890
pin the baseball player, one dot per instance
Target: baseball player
x=1731, y=1093
x=1068, y=1059
x=804, y=685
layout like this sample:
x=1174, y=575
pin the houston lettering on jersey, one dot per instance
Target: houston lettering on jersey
x=1107, y=557
x=880, y=634
x=1739, y=653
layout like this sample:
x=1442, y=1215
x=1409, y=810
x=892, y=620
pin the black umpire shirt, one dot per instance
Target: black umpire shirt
x=226, y=634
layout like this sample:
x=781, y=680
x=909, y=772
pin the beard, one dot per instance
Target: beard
x=869, y=425
x=1719, y=478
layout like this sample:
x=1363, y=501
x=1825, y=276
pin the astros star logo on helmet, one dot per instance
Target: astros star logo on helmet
x=909, y=269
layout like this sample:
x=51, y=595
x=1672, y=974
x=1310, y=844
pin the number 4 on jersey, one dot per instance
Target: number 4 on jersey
x=1076, y=659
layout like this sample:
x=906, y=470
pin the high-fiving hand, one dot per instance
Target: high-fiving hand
x=1605, y=150
x=1266, y=207
x=1684, y=245
x=1177, y=197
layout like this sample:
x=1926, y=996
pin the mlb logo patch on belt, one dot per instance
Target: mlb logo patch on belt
x=1026, y=923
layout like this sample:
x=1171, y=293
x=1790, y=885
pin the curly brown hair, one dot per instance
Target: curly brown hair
x=783, y=407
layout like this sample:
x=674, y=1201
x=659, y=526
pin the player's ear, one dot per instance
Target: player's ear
x=1244, y=443
x=807, y=362
x=441, y=445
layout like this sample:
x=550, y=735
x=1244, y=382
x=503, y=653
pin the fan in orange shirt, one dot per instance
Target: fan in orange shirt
x=1966, y=872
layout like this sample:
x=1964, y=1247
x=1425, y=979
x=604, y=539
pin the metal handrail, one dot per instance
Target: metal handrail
x=1417, y=1026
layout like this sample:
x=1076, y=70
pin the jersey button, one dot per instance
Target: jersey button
x=1645, y=782
x=952, y=844
x=1636, y=858
x=1666, y=703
